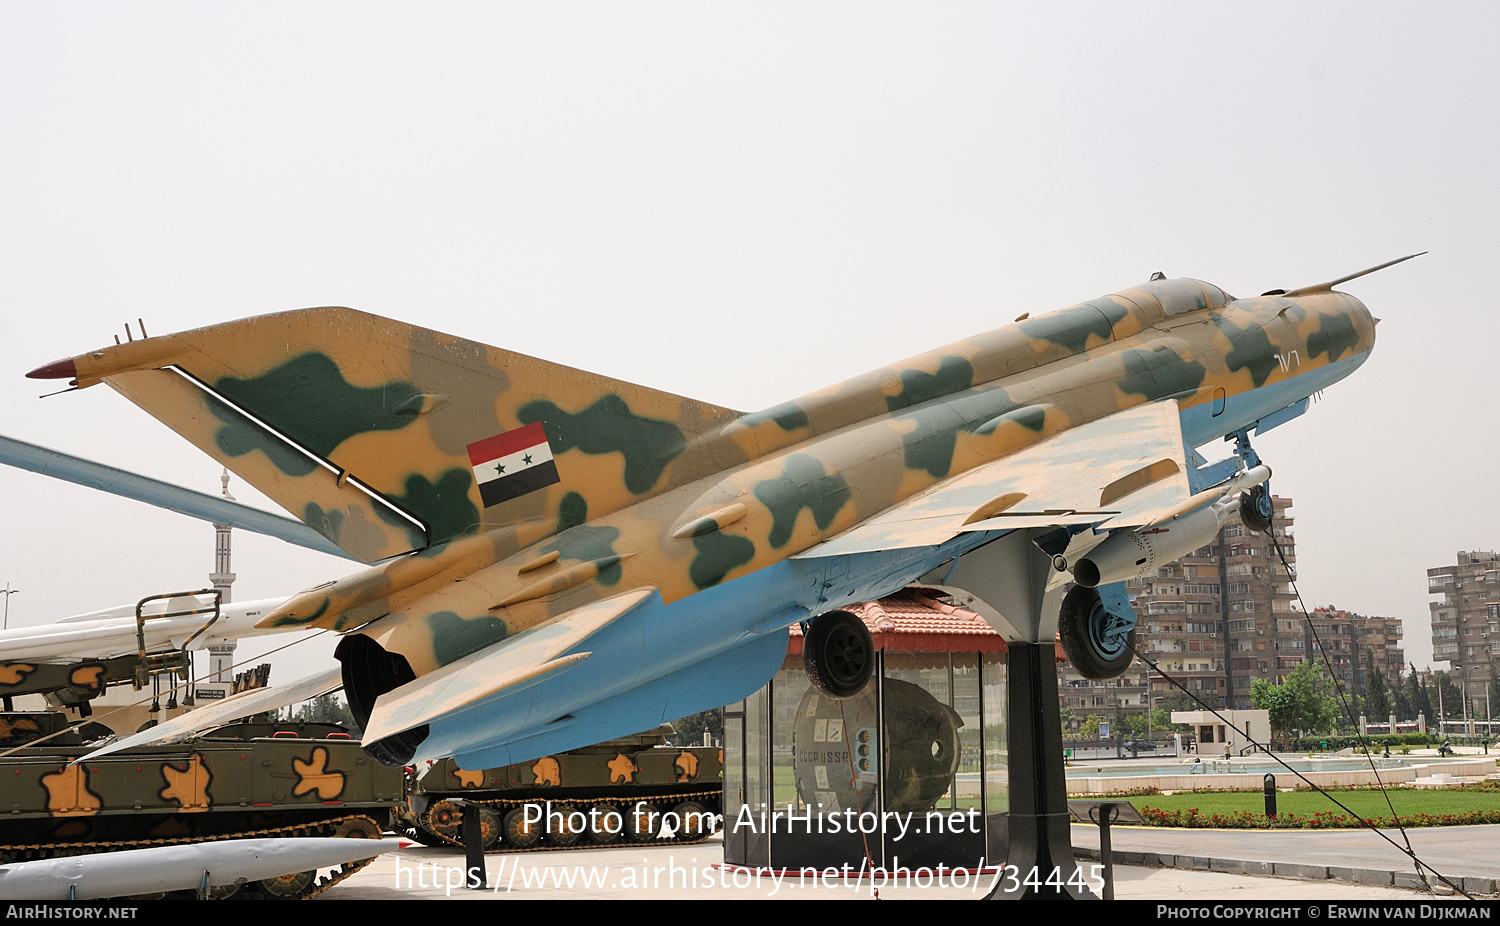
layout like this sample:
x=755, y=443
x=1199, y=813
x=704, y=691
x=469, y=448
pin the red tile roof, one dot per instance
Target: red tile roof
x=915, y=620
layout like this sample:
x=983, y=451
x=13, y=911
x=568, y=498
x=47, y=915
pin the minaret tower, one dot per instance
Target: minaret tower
x=222, y=654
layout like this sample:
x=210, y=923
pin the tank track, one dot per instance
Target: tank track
x=433, y=832
x=290, y=887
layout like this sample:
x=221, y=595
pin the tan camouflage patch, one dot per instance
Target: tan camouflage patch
x=187, y=786
x=472, y=779
x=686, y=766
x=86, y=676
x=68, y=793
x=7, y=727
x=12, y=672
x=622, y=769
x=547, y=772
x=313, y=775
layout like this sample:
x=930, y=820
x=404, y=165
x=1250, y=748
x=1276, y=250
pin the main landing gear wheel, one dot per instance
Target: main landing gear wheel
x=1256, y=510
x=1099, y=644
x=838, y=654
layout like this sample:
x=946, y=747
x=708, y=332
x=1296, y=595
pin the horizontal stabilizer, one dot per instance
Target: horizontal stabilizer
x=244, y=704
x=510, y=664
x=723, y=679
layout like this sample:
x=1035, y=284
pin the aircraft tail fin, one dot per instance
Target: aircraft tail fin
x=387, y=437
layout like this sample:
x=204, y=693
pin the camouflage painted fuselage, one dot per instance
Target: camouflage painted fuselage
x=691, y=515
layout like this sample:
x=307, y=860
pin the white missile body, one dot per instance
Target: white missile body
x=112, y=632
x=179, y=868
x=1133, y=554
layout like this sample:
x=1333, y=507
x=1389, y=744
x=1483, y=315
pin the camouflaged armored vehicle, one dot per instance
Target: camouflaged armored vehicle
x=240, y=780
x=636, y=790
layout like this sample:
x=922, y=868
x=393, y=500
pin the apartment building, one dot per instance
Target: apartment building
x=1466, y=622
x=1349, y=639
x=1224, y=616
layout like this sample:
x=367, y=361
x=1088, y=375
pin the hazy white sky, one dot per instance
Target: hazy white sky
x=743, y=203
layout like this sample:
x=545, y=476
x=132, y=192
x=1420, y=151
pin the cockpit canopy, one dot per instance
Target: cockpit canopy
x=1179, y=296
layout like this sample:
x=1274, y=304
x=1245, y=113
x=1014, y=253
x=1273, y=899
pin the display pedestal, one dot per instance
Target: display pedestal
x=1041, y=845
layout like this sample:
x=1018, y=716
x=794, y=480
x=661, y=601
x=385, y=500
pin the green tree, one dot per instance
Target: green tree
x=1089, y=728
x=1137, y=724
x=328, y=708
x=1448, y=696
x=1377, y=701
x=1301, y=702
x=1401, y=704
x=690, y=729
x=1421, y=703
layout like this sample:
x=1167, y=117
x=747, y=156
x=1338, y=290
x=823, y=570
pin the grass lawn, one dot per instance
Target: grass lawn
x=1304, y=804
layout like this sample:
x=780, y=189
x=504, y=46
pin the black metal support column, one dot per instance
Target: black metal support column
x=1041, y=845
x=473, y=832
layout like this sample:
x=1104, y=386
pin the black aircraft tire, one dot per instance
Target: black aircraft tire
x=1077, y=626
x=1255, y=509
x=838, y=654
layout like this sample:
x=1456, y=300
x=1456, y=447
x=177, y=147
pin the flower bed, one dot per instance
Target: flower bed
x=1193, y=818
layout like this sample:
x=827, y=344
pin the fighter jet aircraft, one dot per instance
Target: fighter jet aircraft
x=560, y=558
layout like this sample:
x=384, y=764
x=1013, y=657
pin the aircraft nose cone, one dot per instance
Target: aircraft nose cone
x=57, y=369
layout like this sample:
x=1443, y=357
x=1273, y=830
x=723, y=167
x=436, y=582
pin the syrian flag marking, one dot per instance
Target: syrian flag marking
x=514, y=463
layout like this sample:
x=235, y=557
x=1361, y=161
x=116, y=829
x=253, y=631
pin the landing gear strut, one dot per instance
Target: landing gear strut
x=1256, y=509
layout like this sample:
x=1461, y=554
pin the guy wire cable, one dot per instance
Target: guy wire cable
x=1344, y=702
x=1407, y=851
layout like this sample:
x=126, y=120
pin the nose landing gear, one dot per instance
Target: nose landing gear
x=1256, y=509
